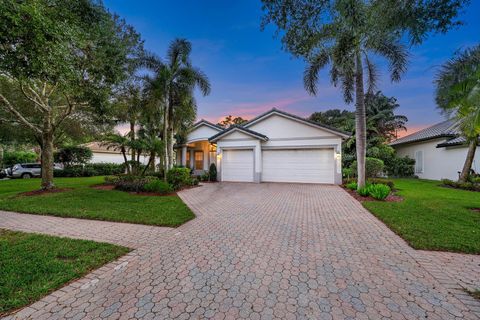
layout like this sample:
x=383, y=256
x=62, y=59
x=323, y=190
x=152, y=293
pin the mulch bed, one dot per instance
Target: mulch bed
x=150, y=194
x=391, y=198
x=43, y=192
x=475, y=209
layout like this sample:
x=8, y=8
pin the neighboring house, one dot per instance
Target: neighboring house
x=103, y=155
x=274, y=147
x=439, y=151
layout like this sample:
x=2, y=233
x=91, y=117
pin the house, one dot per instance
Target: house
x=439, y=151
x=276, y=146
x=102, y=154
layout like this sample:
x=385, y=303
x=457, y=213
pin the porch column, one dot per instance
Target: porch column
x=184, y=156
x=192, y=159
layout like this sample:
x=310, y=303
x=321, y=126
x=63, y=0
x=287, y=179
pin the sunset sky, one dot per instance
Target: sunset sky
x=250, y=73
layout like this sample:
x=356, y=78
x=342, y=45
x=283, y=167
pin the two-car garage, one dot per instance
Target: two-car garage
x=280, y=165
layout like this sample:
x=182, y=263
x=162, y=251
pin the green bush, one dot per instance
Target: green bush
x=373, y=167
x=13, y=157
x=465, y=185
x=363, y=191
x=111, y=179
x=400, y=167
x=90, y=170
x=204, y=177
x=179, y=178
x=213, y=172
x=387, y=182
x=348, y=173
x=158, y=186
x=352, y=186
x=133, y=183
x=71, y=155
x=378, y=191
x=194, y=182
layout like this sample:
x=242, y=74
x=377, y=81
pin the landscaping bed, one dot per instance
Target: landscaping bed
x=432, y=217
x=33, y=265
x=83, y=201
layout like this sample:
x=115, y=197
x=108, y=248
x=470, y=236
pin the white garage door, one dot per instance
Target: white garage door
x=237, y=165
x=298, y=165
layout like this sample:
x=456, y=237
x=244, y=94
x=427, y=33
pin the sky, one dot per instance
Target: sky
x=250, y=72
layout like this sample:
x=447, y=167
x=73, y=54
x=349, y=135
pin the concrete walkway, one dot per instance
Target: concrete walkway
x=259, y=251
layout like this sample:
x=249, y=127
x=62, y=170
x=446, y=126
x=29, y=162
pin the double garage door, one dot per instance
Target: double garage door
x=286, y=165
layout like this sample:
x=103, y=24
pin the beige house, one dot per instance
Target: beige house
x=276, y=146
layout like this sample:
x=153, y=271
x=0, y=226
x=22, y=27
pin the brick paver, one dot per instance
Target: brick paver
x=263, y=251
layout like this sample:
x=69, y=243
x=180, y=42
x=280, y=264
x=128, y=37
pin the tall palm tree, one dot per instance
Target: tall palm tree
x=347, y=44
x=173, y=82
x=458, y=95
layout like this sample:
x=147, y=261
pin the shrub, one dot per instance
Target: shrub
x=194, y=182
x=89, y=170
x=352, y=186
x=158, y=186
x=213, y=172
x=179, y=177
x=363, y=191
x=465, y=185
x=133, y=183
x=13, y=157
x=204, y=177
x=400, y=167
x=378, y=191
x=373, y=167
x=347, y=173
x=71, y=155
x=111, y=179
x=387, y=182
x=106, y=169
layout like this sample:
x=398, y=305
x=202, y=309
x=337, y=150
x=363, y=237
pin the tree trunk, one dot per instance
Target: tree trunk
x=360, y=122
x=124, y=153
x=132, y=138
x=47, y=153
x=152, y=161
x=472, y=147
x=165, y=137
x=170, y=139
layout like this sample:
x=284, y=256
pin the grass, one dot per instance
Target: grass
x=82, y=201
x=33, y=265
x=432, y=217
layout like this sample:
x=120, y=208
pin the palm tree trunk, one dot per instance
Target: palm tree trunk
x=124, y=153
x=472, y=147
x=170, y=139
x=360, y=122
x=165, y=137
x=152, y=160
x=132, y=138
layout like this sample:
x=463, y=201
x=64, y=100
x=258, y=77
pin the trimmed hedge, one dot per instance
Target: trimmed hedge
x=179, y=177
x=89, y=170
x=158, y=186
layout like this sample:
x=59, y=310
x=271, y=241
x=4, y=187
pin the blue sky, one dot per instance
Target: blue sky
x=250, y=73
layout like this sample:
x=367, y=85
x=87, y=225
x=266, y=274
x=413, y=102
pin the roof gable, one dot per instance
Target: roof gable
x=202, y=130
x=275, y=112
x=238, y=129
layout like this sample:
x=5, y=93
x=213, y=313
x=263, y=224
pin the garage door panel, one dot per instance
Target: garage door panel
x=299, y=165
x=237, y=165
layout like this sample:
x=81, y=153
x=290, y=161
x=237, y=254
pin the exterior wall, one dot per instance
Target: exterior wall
x=438, y=163
x=203, y=132
x=99, y=157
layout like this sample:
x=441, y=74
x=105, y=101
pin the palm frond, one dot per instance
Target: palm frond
x=310, y=75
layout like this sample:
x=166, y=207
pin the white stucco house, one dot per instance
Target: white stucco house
x=439, y=151
x=276, y=146
x=102, y=154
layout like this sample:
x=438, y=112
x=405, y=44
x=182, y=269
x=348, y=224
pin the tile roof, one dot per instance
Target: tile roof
x=448, y=128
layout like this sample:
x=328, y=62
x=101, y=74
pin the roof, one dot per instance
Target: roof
x=457, y=141
x=207, y=123
x=233, y=128
x=97, y=146
x=297, y=118
x=445, y=129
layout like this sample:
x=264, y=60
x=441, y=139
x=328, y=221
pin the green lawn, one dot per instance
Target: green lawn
x=85, y=202
x=432, y=217
x=33, y=265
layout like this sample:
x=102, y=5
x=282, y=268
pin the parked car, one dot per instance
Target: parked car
x=27, y=170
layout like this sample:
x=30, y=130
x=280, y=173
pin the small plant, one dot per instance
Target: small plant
x=194, y=182
x=158, y=186
x=352, y=186
x=378, y=191
x=213, y=172
x=382, y=181
x=363, y=191
x=205, y=177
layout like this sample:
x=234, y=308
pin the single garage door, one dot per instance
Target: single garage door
x=298, y=165
x=237, y=165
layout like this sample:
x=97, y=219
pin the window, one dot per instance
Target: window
x=418, y=161
x=198, y=160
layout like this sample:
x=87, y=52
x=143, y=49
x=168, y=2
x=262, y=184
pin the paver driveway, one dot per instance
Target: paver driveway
x=264, y=251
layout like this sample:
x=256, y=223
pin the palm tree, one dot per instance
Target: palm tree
x=173, y=82
x=347, y=44
x=381, y=118
x=118, y=142
x=458, y=95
